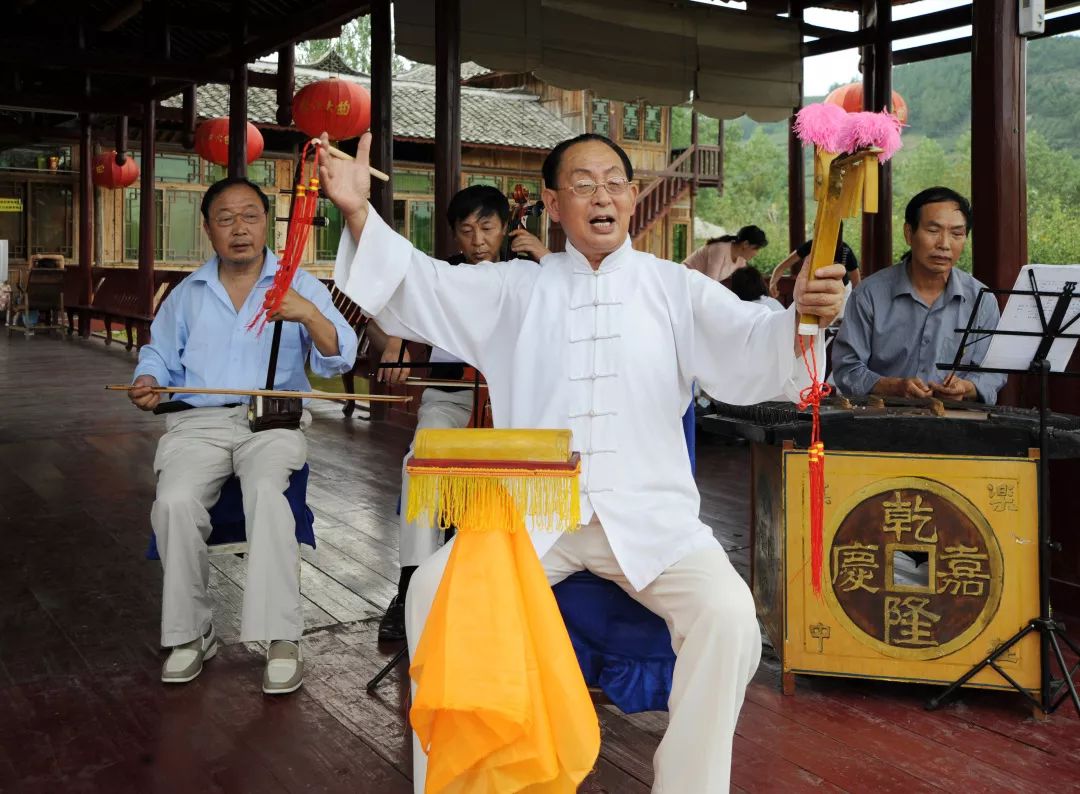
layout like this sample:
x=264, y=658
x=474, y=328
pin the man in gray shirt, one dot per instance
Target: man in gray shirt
x=902, y=321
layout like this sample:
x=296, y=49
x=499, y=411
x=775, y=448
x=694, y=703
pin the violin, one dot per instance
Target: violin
x=521, y=210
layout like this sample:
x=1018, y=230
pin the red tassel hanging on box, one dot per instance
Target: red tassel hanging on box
x=301, y=217
x=811, y=397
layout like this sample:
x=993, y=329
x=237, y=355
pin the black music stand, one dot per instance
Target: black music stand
x=1051, y=632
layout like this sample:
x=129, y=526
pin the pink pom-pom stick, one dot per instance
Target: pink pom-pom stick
x=873, y=130
x=823, y=125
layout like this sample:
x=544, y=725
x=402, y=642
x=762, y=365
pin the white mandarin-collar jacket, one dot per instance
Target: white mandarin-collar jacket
x=610, y=354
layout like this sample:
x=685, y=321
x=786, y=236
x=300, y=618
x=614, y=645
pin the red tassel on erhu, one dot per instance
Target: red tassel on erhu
x=811, y=397
x=305, y=201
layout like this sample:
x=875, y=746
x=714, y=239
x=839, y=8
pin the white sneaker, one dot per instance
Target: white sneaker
x=185, y=662
x=284, y=668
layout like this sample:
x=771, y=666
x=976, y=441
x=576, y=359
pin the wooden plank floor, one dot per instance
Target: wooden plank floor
x=81, y=707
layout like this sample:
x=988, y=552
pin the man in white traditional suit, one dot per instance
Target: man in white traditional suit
x=606, y=341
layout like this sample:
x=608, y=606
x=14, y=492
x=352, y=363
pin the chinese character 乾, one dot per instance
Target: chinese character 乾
x=904, y=516
x=965, y=574
x=854, y=566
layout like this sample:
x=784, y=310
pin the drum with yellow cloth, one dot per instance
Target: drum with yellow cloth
x=500, y=701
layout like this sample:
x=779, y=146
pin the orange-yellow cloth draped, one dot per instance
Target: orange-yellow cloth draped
x=500, y=705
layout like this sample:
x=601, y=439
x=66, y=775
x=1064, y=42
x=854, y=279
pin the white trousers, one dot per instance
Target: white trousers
x=438, y=409
x=201, y=449
x=710, y=613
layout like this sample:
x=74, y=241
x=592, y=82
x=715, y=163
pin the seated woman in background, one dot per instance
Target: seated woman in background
x=722, y=256
x=748, y=283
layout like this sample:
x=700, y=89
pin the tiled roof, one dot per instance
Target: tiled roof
x=488, y=116
x=425, y=72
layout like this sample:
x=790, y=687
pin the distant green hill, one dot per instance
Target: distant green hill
x=938, y=95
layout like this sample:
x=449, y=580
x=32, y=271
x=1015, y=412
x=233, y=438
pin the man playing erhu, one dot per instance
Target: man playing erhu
x=201, y=339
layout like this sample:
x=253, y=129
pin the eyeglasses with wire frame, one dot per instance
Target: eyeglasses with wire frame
x=250, y=218
x=614, y=186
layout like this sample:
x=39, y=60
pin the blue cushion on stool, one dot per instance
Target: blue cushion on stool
x=227, y=516
x=622, y=647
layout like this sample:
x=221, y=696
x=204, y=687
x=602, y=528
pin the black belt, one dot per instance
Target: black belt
x=175, y=406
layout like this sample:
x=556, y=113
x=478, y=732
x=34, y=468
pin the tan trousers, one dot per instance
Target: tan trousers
x=201, y=449
x=438, y=409
x=714, y=632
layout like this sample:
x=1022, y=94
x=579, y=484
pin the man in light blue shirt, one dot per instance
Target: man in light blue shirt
x=200, y=339
x=901, y=322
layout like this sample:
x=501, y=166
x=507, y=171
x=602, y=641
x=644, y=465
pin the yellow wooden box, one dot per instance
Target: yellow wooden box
x=974, y=519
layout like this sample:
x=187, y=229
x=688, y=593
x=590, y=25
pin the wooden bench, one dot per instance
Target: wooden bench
x=38, y=291
x=117, y=300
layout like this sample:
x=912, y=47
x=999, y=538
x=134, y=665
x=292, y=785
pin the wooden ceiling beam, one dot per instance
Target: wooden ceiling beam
x=935, y=22
x=69, y=103
x=20, y=55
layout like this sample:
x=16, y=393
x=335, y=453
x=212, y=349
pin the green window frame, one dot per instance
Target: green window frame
x=131, y=224
x=327, y=237
x=419, y=182
x=600, y=117
x=654, y=123
x=422, y=226
x=631, y=122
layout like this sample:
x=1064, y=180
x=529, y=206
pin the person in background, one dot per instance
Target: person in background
x=902, y=320
x=794, y=261
x=748, y=283
x=722, y=256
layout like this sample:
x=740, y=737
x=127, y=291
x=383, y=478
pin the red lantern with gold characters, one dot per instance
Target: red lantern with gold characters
x=340, y=108
x=109, y=175
x=850, y=98
x=212, y=141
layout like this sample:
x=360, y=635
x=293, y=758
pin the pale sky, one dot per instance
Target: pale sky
x=824, y=71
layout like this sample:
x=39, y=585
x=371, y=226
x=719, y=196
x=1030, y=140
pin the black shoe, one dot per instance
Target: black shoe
x=392, y=625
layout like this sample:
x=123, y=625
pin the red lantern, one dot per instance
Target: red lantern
x=340, y=108
x=108, y=174
x=850, y=98
x=212, y=141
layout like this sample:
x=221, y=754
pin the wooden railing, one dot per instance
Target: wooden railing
x=696, y=166
x=655, y=200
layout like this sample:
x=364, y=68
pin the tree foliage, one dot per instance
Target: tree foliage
x=937, y=151
x=353, y=45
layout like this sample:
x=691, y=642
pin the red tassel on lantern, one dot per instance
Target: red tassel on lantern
x=811, y=397
x=212, y=141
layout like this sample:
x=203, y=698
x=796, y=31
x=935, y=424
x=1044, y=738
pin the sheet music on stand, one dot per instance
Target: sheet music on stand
x=1022, y=314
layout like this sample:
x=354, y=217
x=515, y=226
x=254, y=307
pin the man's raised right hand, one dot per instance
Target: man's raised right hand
x=347, y=183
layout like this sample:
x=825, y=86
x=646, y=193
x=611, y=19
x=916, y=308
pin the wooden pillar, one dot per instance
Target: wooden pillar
x=238, y=122
x=447, y=117
x=998, y=173
x=796, y=167
x=695, y=158
x=86, y=220
x=286, y=84
x=382, y=130
x=877, y=95
x=147, y=210
x=190, y=111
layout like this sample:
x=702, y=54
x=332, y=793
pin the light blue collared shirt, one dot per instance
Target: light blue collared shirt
x=200, y=340
x=889, y=332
